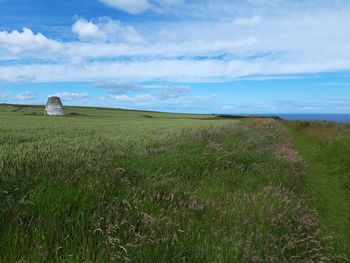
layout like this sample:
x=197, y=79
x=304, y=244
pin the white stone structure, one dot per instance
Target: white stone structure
x=54, y=107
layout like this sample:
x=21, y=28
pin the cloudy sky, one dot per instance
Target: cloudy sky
x=201, y=56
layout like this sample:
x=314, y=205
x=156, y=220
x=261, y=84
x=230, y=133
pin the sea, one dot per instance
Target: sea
x=342, y=118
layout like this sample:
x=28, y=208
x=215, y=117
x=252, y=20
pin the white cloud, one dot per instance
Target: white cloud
x=204, y=98
x=162, y=48
x=4, y=96
x=130, y=6
x=87, y=30
x=200, y=41
x=344, y=99
x=248, y=21
x=69, y=96
x=283, y=43
x=106, y=29
x=20, y=41
x=337, y=84
x=228, y=107
x=173, y=70
x=188, y=70
x=16, y=78
x=27, y=95
x=174, y=92
x=263, y=78
x=289, y=106
x=130, y=34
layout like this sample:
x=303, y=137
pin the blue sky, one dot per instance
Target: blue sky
x=201, y=56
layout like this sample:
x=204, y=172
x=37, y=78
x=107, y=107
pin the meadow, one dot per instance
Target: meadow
x=112, y=185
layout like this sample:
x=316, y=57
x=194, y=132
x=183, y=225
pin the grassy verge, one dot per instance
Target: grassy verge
x=325, y=147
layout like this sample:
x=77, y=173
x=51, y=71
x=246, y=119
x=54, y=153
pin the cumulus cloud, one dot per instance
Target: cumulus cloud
x=118, y=87
x=174, y=92
x=69, y=96
x=26, y=40
x=27, y=95
x=106, y=29
x=130, y=6
x=87, y=30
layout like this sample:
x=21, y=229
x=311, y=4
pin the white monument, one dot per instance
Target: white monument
x=54, y=107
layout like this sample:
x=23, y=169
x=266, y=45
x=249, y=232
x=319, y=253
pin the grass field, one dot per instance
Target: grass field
x=109, y=185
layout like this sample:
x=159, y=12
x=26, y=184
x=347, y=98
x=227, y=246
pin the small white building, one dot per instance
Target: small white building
x=54, y=107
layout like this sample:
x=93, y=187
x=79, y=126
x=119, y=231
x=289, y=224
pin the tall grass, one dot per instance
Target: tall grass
x=140, y=189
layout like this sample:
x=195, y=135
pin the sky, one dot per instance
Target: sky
x=192, y=56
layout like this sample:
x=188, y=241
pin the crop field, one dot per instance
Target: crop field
x=112, y=185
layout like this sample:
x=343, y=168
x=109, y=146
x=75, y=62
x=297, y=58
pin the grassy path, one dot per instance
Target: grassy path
x=326, y=181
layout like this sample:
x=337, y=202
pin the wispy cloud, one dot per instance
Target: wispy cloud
x=277, y=45
x=178, y=43
x=170, y=2
x=27, y=95
x=174, y=92
x=344, y=99
x=71, y=96
x=204, y=98
x=16, y=78
x=130, y=6
x=129, y=100
x=136, y=7
x=4, y=96
x=263, y=78
x=290, y=106
x=118, y=87
x=335, y=84
x=248, y=21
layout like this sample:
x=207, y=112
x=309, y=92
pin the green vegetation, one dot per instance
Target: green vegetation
x=106, y=185
x=325, y=147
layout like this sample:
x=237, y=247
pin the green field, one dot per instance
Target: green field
x=112, y=185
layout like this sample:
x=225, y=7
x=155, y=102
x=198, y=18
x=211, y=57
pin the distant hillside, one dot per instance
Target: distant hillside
x=116, y=112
